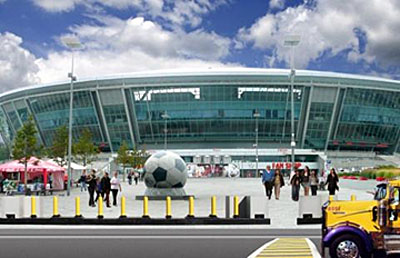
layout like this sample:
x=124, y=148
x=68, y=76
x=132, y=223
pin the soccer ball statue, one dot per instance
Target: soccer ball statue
x=165, y=169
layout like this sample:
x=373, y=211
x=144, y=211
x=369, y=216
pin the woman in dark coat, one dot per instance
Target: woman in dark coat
x=295, y=182
x=332, y=182
x=92, y=182
x=278, y=183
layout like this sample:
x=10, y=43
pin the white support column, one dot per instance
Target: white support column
x=303, y=138
x=128, y=117
x=332, y=119
x=103, y=118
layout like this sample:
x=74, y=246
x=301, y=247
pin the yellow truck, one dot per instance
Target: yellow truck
x=352, y=229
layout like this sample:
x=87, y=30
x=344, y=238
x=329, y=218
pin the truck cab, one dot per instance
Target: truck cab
x=352, y=229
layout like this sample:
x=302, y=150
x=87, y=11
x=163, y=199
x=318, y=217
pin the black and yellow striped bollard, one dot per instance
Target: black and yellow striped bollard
x=168, y=214
x=55, y=207
x=123, y=207
x=191, y=207
x=145, y=207
x=100, y=214
x=33, y=207
x=78, y=207
x=213, y=213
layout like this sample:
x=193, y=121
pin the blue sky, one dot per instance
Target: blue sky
x=121, y=36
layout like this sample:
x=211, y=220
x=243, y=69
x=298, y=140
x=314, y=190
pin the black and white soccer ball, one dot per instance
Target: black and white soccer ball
x=165, y=169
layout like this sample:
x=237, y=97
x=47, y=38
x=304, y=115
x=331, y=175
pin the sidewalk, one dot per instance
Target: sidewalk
x=283, y=212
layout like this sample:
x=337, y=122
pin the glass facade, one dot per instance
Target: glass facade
x=214, y=111
x=370, y=120
x=116, y=118
x=52, y=112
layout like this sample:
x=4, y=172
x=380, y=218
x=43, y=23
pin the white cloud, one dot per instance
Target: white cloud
x=276, y=4
x=17, y=65
x=329, y=27
x=123, y=46
x=177, y=12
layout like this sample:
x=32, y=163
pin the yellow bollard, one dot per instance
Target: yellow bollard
x=331, y=197
x=191, y=207
x=100, y=210
x=33, y=207
x=55, y=207
x=213, y=207
x=168, y=208
x=123, y=207
x=236, y=207
x=353, y=197
x=145, y=207
x=78, y=207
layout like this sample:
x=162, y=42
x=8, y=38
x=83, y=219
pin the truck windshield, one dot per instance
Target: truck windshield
x=380, y=192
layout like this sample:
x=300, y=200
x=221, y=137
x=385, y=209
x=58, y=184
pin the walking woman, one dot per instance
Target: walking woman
x=305, y=180
x=314, y=181
x=332, y=182
x=115, y=186
x=278, y=183
x=295, y=182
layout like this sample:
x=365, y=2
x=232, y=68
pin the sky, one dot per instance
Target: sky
x=123, y=36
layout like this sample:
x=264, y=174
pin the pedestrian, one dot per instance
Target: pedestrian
x=82, y=181
x=267, y=180
x=1, y=183
x=136, y=178
x=98, y=189
x=106, y=188
x=332, y=181
x=295, y=182
x=278, y=183
x=130, y=177
x=115, y=186
x=305, y=180
x=314, y=181
x=91, y=181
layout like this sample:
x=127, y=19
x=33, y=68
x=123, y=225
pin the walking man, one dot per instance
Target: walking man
x=267, y=179
x=106, y=188
x=115, y=186
x=91, y=180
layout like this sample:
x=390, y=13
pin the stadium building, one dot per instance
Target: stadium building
x=214, y=109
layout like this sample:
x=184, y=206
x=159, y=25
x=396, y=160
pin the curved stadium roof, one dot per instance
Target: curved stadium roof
x=214, y=75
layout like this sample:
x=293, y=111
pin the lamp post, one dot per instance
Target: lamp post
x=256, y=115
x=292, y=41
x=165, y=116
x=72, y=43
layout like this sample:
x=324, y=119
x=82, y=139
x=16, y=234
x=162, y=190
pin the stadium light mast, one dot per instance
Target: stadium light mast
x=256, y=115
x=292, y=41
x=73, y=44
x=165, y=116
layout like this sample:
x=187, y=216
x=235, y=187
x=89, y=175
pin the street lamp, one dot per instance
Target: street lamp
x=292, y=41
x=165, y=116
x=73, y=44
x=256, y=115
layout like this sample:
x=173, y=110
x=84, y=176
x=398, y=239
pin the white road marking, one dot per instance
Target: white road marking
x=138, y=237
x=259, y=250
x=313, y=248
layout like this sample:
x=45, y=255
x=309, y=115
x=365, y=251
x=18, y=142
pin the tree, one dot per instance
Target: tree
x=84, y=149
x=124, y=157
x=139, y=157
x=26, y=146
x=59, y=149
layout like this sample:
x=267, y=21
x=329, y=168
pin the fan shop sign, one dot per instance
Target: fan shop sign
x=285, y=165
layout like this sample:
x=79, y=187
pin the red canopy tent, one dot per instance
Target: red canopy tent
x=36, y=168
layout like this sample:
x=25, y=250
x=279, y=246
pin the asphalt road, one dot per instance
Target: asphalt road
x=146, y=242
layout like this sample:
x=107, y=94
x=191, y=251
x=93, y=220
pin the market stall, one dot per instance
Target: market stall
x=40, y=172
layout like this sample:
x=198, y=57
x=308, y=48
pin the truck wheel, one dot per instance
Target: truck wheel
x=348, y=246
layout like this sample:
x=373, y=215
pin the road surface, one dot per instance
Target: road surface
x=146, y=242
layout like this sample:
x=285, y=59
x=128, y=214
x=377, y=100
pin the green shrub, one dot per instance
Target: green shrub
x=389, y=174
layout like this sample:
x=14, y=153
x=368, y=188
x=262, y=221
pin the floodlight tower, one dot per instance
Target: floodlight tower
x=292, y=41
x=73, y=44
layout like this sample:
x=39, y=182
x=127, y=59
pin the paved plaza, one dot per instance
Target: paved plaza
x=283, y=212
